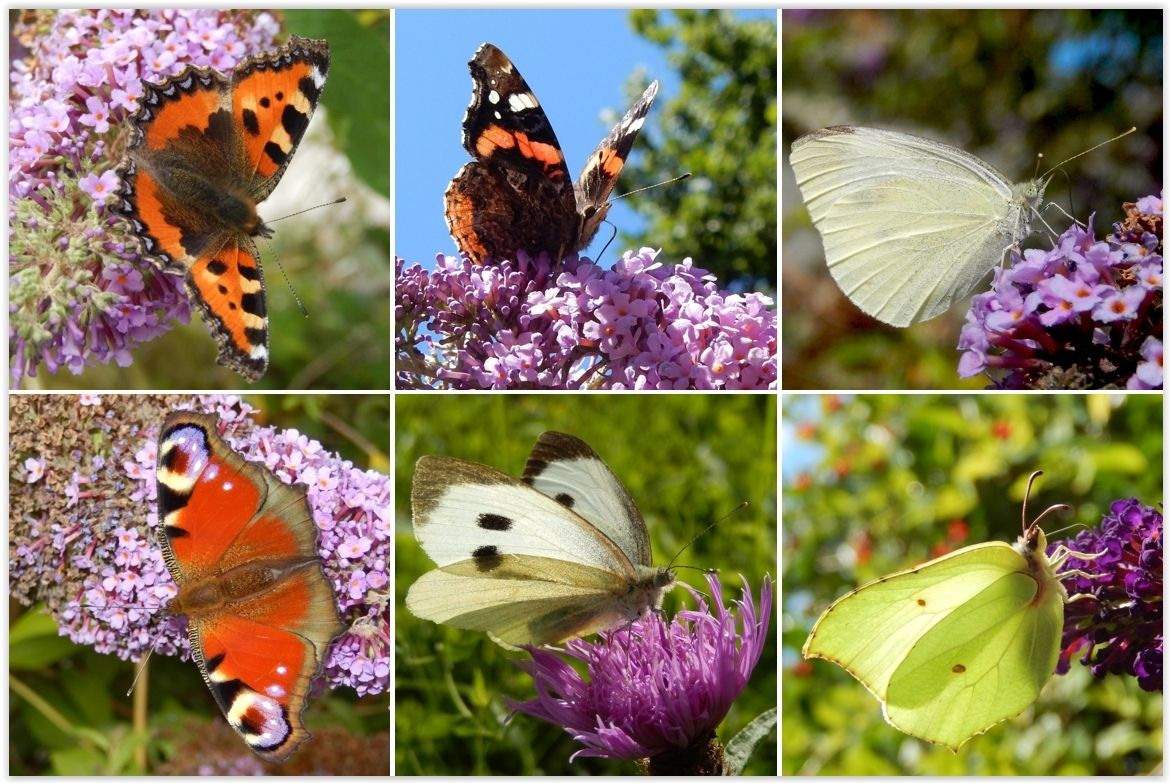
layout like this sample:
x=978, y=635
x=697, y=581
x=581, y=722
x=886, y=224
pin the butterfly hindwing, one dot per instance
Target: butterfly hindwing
x=242, y=547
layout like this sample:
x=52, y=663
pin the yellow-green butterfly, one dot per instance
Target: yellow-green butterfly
x=958, y=644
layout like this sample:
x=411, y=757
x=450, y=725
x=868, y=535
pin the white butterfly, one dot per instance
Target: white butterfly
x=560, y=553
x=910, y=225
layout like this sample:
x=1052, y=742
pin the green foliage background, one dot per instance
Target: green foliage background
x=688, y=461
x=721, y=127
x=880, y=482
x=79, y=721
x=993, y=82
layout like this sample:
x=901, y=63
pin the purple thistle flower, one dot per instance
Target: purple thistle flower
x=530, y=324
x=98, y=566
x=654, y=690
x=1080, y=316
x=75, y=79
x=1119, y=622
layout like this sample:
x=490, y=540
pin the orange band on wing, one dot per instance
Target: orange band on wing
x=273, y=108
x=495, y=137
x=184, y=110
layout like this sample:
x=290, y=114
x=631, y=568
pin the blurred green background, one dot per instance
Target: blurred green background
x=688, y=461
x=1003, y=85
x=336, y=258
x=80, y=720
x=873, y=484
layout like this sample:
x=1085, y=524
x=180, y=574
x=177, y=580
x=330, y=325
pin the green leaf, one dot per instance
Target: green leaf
x=739, y=749
x=34, y=642
x=357, y=92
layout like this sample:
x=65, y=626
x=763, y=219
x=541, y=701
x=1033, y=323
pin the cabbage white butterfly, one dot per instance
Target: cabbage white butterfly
x=959, y=644
x=560, y=553
x=910, y=225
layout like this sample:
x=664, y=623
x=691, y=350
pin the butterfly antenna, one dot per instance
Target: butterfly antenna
x=141, y=672
x=292, y=290
x=1086, y=152
x=1024, y=504
x=338, y=200
x=281, y=267
x=671, y=565
x=683, y=176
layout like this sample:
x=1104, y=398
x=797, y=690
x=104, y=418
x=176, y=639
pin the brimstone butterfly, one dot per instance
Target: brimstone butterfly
x=910, y=225
x=958, y=644
x=560, y=553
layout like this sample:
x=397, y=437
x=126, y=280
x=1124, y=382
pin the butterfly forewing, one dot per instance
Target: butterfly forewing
x=467, y=511
x=567, y=470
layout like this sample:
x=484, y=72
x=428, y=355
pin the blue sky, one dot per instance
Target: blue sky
x=575, y=61
x=799, y=455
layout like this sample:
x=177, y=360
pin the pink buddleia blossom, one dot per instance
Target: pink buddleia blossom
x=531, y=324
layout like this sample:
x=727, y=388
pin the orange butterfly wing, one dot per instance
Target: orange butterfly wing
x=242, y=547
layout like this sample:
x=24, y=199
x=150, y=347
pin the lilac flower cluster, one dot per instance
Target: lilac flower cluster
x=1085, y=315
x=103, y=574
x=652, y=689
x=532, y=324
x=1116, y=614
x=79, y=293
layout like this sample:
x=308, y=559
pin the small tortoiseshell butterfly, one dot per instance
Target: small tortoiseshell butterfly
x=518, y=194
x=242, y=547
x=205, y=150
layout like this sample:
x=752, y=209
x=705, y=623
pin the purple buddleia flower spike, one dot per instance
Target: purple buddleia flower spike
x=530, y=324
x=1117, y=617
x=1087, y=314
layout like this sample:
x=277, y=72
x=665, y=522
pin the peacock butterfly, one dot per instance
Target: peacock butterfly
x=242, y=547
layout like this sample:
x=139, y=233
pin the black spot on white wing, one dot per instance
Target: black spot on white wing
x=494, y=522
x=487, y=558
x=565, y=499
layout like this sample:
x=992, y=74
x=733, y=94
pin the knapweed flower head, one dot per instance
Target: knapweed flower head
x=530, y=323
x=79, y=293
x=1087, y=314
x=82, y=538
x=1116, y=616
x=652, y=689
